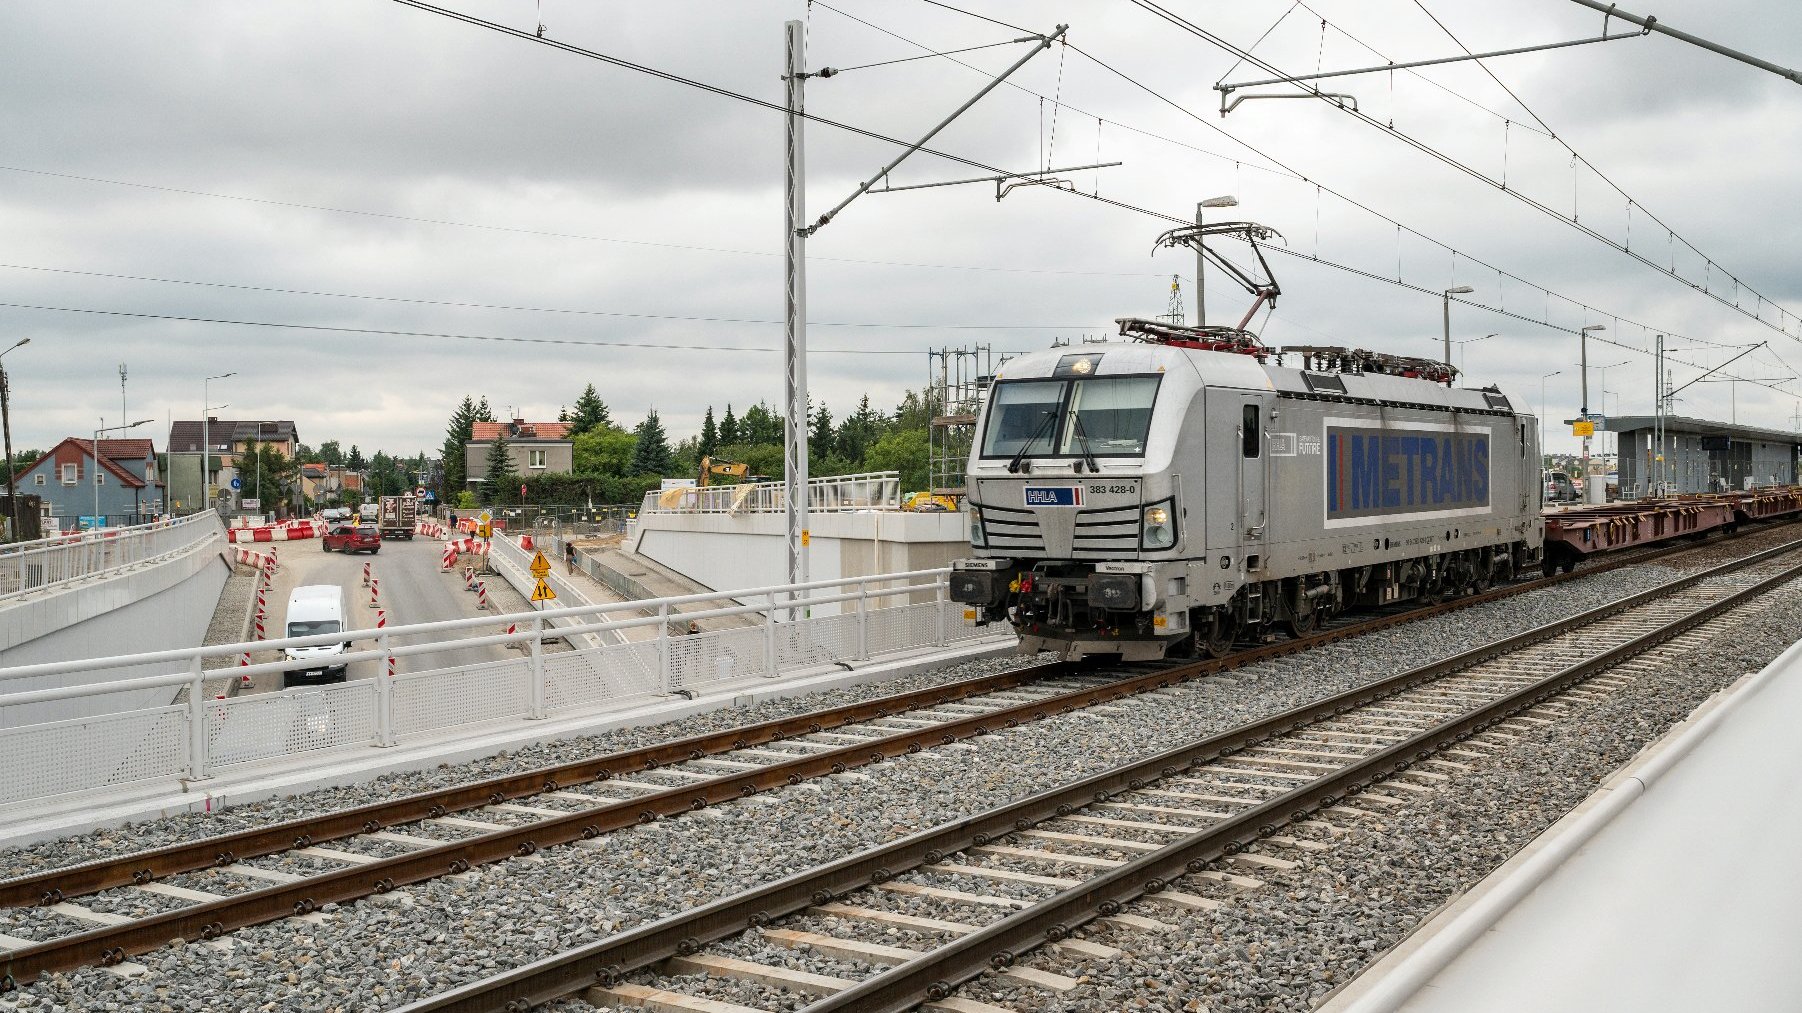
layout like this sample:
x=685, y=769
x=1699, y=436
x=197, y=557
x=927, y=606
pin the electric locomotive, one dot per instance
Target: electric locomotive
x=1176, y=493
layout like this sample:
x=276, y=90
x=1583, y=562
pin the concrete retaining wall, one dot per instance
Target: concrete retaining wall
x=725, y=551
x=157, y=607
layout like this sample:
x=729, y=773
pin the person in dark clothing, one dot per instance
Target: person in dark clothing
x=569, y=555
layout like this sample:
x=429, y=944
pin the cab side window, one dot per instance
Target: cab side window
x=1249, y=436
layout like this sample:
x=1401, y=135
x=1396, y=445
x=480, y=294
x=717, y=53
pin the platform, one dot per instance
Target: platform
x=1631, y=902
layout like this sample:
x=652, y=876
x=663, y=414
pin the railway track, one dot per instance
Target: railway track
x=1032, y=873
x=356, y=853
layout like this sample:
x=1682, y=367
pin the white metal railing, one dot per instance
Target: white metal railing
x=28, y=567
x=876, y=490
x=191, y=737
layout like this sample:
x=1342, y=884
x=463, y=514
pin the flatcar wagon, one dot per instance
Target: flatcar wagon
x=1172, y=494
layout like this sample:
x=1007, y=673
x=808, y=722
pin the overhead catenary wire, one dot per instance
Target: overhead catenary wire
x=1232, y=50
x=466, y=304
x=449, y=335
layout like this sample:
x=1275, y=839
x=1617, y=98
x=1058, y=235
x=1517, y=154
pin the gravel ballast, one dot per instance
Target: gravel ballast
x=422, y=939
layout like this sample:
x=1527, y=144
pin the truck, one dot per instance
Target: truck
x=397, y=514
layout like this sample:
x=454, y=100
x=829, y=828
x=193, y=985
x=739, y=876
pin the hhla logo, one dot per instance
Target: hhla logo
x=1053, y=495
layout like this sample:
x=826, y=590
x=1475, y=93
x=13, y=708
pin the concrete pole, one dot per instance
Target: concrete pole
x=12, y=477
x=795, y=428
x=1201, y=265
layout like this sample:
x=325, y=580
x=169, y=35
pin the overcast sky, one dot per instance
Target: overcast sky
x=388, y=161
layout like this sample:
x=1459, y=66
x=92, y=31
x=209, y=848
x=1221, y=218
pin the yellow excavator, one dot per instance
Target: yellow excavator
x=712, y=469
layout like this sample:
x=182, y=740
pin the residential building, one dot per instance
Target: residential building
x=228, y=439
x=68, y=476
x=537, y=448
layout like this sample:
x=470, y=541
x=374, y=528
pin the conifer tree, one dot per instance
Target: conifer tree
x=500, y=479
x=651, y=454
x=729, y=433
x=710, y=434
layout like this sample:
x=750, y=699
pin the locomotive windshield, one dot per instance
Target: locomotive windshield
x=1098, y=416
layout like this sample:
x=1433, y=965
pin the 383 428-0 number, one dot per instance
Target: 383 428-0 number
x=1102, y=489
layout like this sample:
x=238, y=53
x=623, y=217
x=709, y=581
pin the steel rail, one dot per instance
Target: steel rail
x=56, y=885
x=999, y=944
x=211, y=918
x=935, y=974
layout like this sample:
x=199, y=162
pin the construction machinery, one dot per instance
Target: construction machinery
x=712, y=469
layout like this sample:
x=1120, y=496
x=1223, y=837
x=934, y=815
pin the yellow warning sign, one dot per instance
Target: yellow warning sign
x=543, y=592
x=541, y=567
x=806, y=537
x=485, y=525
x=1583, y=429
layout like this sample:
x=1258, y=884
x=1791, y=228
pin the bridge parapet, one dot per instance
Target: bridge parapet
x=29, y=568
x=200, y=734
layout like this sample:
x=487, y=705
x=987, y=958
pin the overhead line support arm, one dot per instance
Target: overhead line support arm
x=1652, y=24
x=1045, y=42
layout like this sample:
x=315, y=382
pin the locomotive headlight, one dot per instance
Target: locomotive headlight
x=1157, y=528
x=978, y=537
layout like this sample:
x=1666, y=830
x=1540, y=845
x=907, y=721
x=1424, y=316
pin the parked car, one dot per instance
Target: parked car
x=1560, y=489
x=315, y=610
x=353, y=538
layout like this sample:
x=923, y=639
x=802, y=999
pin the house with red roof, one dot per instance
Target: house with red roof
x=124, y=475
x=537, y=448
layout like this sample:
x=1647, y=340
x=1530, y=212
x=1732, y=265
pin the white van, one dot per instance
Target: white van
x=313, y=610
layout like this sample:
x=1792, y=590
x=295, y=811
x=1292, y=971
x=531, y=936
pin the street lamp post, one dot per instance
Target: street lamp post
x=1542, y=451
x=99, y=518
x=6, y=421
x=206, y=445
x=1201, y=262
x=1460, y=290
x=1588, y=474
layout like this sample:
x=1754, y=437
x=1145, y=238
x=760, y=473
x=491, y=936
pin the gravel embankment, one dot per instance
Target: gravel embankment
x=229, y=615
x=423, y=939
x=1307, y=931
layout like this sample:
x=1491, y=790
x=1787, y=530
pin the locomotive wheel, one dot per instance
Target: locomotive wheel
x=1300, y=626
x=1218, y=641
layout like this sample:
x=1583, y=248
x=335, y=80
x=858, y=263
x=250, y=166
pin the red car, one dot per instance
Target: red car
x=353, y=538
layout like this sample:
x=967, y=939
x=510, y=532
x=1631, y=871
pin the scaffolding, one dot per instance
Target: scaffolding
x=958, y=378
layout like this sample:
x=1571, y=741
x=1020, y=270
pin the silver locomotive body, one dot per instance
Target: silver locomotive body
x=1141, y=499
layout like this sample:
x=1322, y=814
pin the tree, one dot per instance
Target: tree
x=500, y=479
x=603, y=451
x=651, y=455
x=819, y=438
x=589, y=414
x=266, y=473
x=354, y=460
x=904, y=451
x=728, y=427
x=456, y=442
x=710, y=434
x=483, y=412
x=760, y=425
x=855, y=434
x=331, y=453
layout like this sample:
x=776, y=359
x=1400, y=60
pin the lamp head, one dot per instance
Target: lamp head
x=1596, y=327
x=1460, y=290
x=1221, y=202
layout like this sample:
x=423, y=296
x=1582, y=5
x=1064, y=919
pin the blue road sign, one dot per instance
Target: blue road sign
x=237, y=483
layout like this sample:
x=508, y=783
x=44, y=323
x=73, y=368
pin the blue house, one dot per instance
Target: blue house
x=68, y=476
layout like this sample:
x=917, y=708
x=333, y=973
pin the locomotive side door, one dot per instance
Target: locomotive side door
x=1236, y=477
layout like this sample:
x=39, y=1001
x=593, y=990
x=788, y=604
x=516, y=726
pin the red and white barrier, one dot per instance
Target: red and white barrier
x=482, y=596
x=469, y=578
x=365, y=573
x=517, y=645
x=450, y=558
x=278, y=533
x=375, y=592
x=525, y=543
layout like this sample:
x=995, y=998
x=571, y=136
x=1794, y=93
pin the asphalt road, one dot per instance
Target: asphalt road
x=412, y=591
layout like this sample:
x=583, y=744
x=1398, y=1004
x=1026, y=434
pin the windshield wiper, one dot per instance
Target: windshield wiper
x=1087, y=454
x=1015, y=464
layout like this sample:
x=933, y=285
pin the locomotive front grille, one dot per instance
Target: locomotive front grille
x=1106, y=533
